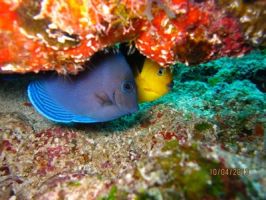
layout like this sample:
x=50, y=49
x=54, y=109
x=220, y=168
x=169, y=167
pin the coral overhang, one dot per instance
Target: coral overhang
x=61, y=35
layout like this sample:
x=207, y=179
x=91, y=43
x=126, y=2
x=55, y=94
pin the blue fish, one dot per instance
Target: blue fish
x=104, y=92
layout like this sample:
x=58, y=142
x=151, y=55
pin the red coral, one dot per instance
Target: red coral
x=47, y=35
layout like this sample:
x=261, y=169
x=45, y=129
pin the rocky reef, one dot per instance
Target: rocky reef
x=203, y=140
x=61, y=35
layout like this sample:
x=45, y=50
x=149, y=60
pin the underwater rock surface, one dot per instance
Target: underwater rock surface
x=214, y=119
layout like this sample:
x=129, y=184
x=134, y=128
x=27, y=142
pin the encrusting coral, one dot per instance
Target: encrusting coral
x=251, y=15
x=61, y=35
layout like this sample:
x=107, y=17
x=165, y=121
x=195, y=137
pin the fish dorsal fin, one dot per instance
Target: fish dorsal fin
x=45, y=105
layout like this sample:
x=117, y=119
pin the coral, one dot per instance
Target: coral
x=251, y=15
x=62, y=35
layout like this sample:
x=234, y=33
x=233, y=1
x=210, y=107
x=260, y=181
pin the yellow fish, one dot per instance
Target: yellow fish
x=153, y=81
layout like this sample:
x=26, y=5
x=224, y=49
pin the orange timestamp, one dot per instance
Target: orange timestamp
x=229, y=171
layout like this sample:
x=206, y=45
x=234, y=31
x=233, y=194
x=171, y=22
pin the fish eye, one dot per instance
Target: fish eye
x=160, y=72
x=127, y=86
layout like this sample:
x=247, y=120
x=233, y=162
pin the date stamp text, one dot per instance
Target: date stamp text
x=229, y=171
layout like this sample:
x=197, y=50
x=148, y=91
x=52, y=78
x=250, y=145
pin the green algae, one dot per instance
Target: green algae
x=203, y=126
x=214, y=81
x=150, y=194
x=115, y=193
x=74, y=184
x=112, y=195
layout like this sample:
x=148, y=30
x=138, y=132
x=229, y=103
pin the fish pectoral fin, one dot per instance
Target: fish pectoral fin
x=103, y=99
